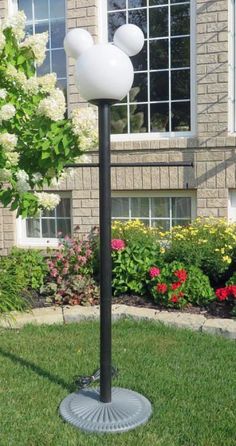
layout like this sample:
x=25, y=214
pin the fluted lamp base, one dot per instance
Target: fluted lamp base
x=126, y=411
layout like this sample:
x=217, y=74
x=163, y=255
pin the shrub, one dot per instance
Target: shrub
x=176, y=285
x=13, y=287
x=130, y=264
x=135, y=232
x=33, y=265
x=206, y=243
x=73, y=290
x=70, y=271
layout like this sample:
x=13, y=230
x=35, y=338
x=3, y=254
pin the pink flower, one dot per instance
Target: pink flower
x=232, y=290
x=54, y=272
x=175, y=285
x=154, y=271
x=222, y=293
x=162, y=288
x=65, y=270
x=117, y=244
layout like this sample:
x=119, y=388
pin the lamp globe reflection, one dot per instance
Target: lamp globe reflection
x=104, y=71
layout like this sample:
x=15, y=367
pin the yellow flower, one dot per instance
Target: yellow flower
x=162, y=250
x=227, y=259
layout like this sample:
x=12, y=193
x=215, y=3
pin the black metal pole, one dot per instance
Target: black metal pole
x=105, y=250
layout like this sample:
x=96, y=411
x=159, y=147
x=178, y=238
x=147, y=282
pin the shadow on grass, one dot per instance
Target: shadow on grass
x=36, y=369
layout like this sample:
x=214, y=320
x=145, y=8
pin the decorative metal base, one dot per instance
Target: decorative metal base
x=126, y=411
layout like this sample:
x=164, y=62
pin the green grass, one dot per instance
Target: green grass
x=189, y=377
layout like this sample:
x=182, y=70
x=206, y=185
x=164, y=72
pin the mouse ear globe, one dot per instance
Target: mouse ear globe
x=77, y=41
x=129, y=38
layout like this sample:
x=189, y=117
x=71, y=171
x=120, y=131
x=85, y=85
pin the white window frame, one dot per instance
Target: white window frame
x=232, y=67
x=102, y=15
x=157, y=194
x=232, y=209
x=36, y=242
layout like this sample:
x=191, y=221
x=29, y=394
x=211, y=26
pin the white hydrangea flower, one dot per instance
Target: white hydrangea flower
x=12, y=159
x=31, y=85
x=17, y=23
x=7, y=112
x=22, y=184
x=37, y=43
x=47, y=201
x=5, y=175
x=2, y=40
x=84, y=125
x=8, y=141
x=13, y=74
x=36, y=177
x=47, y=82
x=3, y=93
x=83, y=159
x=54, y=106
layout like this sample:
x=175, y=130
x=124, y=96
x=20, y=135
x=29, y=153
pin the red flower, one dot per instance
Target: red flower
x=232, y=290
x=117, y=244
x=175, y=285
x=181, y=274
x=161, y=288
x=153, y=272
x=222, y=293
x=174, y=299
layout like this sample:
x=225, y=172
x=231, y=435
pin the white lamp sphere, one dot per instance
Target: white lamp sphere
x=77, y=41
x=129, y=38
x=104, y=72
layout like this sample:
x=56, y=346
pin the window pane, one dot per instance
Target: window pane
x=176, y=222
x=139, y=207
x=164, y=225
x=119, y=119
x=179, y=1
x=140, y=60
x=57, y=33
x=180, y=52
x=139, y=88
x=26, y=6
x=159, y=54
x=180, y=23
x=48, y=228
x=28, y=30
x=42, y=27
x=114, y=21
x=41, y=9
x=159, y=86
x=116, y=4
x=120, y=207
x=62, y=84
x=158, y=2
x=181, y=207
x=180, y=84
x=59, y=62
x=158, y=22
x=57, y=8
x=63, y=209
x=180, y=116
x=160, y=207
x=45, y=67
x=159, y=117
x=136, y=3
x=138, y=118
x=139, y=18
x=47, y=213
x=32, y=227
x=63, y=227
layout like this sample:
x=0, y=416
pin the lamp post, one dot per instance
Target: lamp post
x=104, y=75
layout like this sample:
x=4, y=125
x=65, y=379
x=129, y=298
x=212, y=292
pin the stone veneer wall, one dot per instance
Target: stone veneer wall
x=212, y=149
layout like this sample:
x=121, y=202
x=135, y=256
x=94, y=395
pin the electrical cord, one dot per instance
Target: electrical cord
x=86, y=381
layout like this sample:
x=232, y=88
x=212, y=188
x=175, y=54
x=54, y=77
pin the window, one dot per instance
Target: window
x=48, y=15
x=48, y=227
x=232, y=206
x=156, y=210
x=161, y=96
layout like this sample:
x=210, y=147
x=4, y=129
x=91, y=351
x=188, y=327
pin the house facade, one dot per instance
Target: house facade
x=181, y=108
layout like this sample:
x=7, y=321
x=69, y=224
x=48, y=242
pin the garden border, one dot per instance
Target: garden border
x=57, y=315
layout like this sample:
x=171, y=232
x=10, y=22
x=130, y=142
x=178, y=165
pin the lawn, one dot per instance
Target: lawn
x=189, y=377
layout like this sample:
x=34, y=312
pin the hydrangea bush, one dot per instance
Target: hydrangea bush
x=36, y=141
